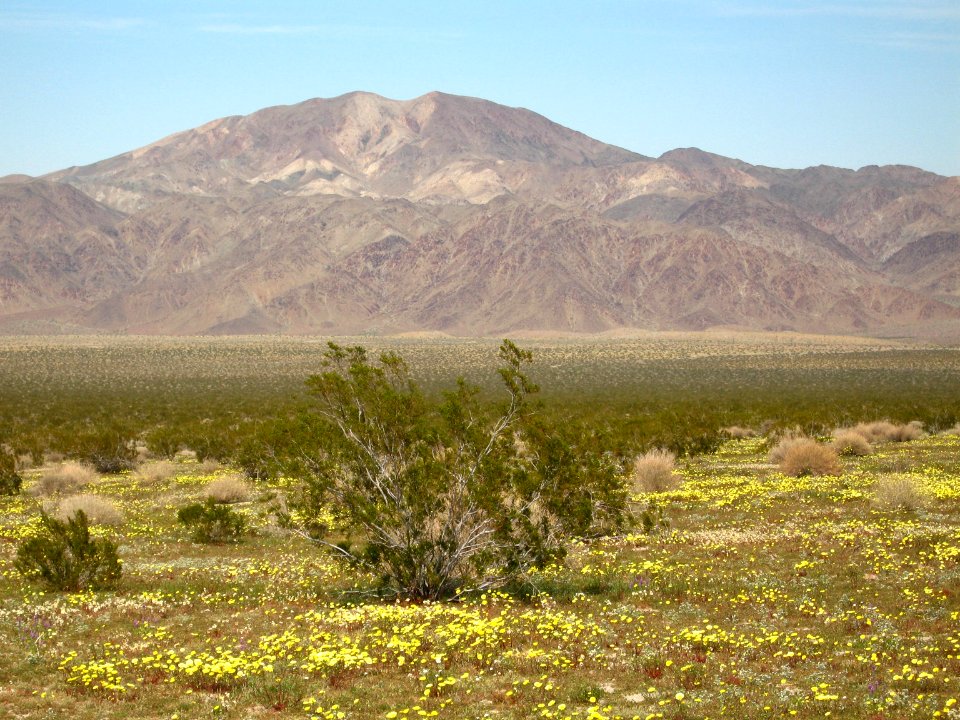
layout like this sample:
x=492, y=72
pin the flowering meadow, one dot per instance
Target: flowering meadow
x=760, y=596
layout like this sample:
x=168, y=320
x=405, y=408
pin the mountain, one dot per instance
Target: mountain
x=360, y=214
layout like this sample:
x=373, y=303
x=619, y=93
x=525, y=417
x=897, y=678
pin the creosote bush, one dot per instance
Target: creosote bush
x=10, y=479
x=211, y=522
x=850, y=442
x=808, y=457
x=655, y=471
x=64, y=556
x=65, y=478
x=228, y=489
x=439, y=499
x=897, y=492
x=98, y=510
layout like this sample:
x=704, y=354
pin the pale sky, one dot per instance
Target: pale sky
x=789, y=84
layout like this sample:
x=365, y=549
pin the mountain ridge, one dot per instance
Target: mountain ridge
x=449, y=214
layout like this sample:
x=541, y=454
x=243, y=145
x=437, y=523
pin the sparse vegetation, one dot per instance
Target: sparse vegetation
x=808, y=457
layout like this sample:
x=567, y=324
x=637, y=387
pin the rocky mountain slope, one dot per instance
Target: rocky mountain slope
x=360, y=214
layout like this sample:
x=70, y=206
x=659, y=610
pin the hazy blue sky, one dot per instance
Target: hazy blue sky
x=790, y=83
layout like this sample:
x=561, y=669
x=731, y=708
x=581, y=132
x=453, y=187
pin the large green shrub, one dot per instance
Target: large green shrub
x=211, y=522
x=438, y=498
x=64, y=556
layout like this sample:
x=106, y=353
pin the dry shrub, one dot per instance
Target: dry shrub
x=206, y=467
x=740, y=433
x=885, y=431
x=913, y=430
x=143, y=452
x=893, y=492
x=787, y=439
x=65, y=478
x=228, y=489
x=157, y=471
x=849, y=442
x=655, y=471
x=808, y=457
x=98, y=510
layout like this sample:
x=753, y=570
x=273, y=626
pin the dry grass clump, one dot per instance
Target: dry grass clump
x=885, y=431
x=893, y=492
x=849, y=442
x=787, y=440
x=739, y=433
x=157, y=471
x=808, y=457
x=64, y=478
x=206, y=467
x=98, y=510
x=655, y=471
x=229, y=489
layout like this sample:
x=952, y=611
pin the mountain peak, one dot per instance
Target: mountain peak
x=362, y=213
x=355, y=144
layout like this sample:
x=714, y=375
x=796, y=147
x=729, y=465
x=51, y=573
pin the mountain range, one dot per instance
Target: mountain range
x=360, y=214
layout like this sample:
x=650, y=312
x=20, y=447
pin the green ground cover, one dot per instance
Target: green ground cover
x=766, y=596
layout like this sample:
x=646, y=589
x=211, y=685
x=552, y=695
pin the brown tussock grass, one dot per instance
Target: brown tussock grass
x=157, y=471
x=229, y=489
x=788, y=438
x=68, y=477
x=655, y=471
x=98, y=510
x=882, y=431
x=808, y=457
x=898, y=492
x=849, y=442
x=739, y=433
